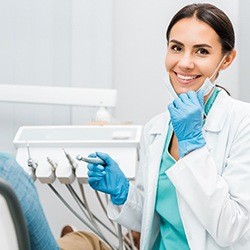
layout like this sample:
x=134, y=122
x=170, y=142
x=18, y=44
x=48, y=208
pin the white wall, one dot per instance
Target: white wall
x=55, y=43
x=244, y=52
x=139, y=53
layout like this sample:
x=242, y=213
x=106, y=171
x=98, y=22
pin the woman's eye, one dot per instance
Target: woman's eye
x=176, y=48
x=202, y=51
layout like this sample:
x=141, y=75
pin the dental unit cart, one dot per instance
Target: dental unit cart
x=51, y=155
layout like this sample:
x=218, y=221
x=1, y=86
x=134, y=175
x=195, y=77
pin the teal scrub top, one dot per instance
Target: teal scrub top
x=172, y=234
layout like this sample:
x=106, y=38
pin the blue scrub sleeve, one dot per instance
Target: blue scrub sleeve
x=41, y=237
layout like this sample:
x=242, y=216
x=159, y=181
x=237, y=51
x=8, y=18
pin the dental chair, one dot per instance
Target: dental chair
x=13, y=230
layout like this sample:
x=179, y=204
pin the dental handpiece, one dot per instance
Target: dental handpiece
x=52, y=164
x=91, y=160
x=71, y=161
x=32, y=164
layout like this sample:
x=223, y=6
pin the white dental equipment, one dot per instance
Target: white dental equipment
x=91, y=97
x=58, y=152
x=32, y=164
x=58, y=95
x=53, y=164
x=121, y=141
x=47, y=143
x=71, y=161
x=65, y=172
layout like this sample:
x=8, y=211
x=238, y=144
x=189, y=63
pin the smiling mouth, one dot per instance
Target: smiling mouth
x=186, y=78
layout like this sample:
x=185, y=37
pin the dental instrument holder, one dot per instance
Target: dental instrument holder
x=120, y=142
x=45, y=173
x=32, y=168
x=66, y=172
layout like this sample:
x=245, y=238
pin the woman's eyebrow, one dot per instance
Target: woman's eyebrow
x=176, y=41
x=195, y=46
x=202, y=45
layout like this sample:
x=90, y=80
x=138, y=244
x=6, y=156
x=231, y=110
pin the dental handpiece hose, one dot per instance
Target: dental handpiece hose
x=108, y=182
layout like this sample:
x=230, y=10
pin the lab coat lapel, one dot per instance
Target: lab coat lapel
x=216, y=117
x=158, y=131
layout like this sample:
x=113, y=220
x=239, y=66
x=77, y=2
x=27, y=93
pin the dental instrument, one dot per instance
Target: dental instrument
x=70, y=159
x=52, y=163
x=31, y=163
x=91, y=160
x=66, y=172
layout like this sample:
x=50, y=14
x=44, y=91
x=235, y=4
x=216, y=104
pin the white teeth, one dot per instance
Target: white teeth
x=186, y=77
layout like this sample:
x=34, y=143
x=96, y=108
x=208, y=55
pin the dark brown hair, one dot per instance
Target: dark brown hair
x=212, y=16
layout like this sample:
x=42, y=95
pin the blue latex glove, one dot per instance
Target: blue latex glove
x=108, y=179
x=186, y=113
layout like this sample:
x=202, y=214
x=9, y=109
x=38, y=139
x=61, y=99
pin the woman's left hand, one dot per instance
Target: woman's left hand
x=186, y=113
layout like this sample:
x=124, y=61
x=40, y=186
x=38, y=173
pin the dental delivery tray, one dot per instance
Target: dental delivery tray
x=107, y=135
x=46, y=144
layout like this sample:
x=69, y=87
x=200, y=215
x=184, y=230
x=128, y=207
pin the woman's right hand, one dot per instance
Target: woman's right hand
x=186, y=113
x=108, y=179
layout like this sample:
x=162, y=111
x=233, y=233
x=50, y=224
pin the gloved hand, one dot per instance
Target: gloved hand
x=186, y=113
x=108, y=179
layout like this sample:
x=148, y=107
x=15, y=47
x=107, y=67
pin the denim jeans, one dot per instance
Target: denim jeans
x=41, y=237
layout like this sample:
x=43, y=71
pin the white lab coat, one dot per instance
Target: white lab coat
x=212, y=183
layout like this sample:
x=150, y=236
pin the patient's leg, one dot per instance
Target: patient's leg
x=81, y=241
x=40, y=234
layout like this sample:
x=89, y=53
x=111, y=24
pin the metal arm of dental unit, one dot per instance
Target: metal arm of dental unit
x=58, y=95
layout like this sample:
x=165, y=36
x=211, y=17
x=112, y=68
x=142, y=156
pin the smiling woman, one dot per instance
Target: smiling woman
x=192, y=59
x=192, y=184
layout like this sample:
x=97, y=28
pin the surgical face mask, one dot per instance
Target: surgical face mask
x=207, y=86
x=170, y=87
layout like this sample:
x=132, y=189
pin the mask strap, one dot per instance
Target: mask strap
x=216, y=70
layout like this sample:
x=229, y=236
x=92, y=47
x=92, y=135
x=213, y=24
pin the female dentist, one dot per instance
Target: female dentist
x=192, y=188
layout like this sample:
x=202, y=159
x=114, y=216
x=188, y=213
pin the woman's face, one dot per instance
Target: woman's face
x=194, y=52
